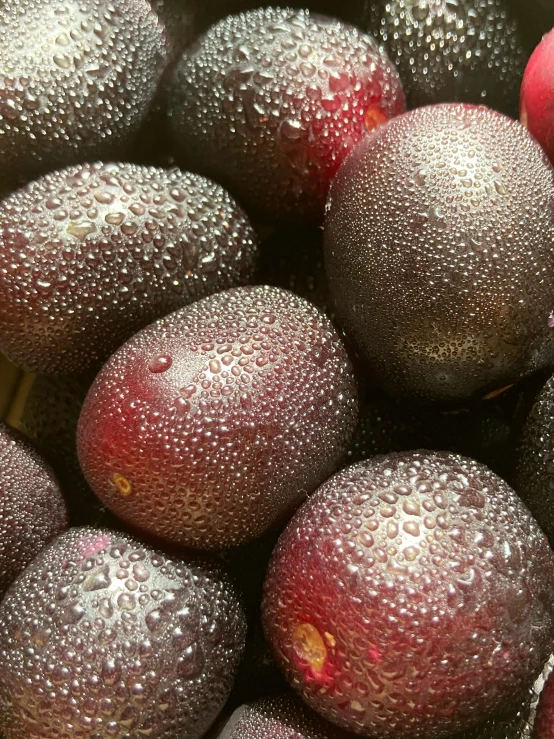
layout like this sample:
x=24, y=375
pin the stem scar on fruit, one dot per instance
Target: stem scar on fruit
x=309, y=646
x=122, y=484
x=374, y=117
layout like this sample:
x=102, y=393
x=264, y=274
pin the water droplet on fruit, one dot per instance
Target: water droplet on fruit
x=161, y=363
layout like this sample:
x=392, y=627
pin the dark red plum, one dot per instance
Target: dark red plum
x=92, y=253
x=211, y=425
x=77, y=81
x=270, y=101
x=278, y=717
x=537, y=94
x=438, y=249
x=411, y=596
x=534, y=474
x=32, y=508
x=464, y=51
x=102, y=636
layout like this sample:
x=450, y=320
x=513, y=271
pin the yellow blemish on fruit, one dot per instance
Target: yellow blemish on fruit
x=122, y=484
x=309, y=646
x=374, y=117
x=330, y=639
x=80, y=230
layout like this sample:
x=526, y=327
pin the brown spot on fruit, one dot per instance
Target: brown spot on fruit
x=122, y=484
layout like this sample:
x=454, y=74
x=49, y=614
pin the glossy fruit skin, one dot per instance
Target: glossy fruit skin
x=278, y=717
x=536, y=104
x=437, y=239
x=78, y=80
x=543, y=727
x=258, y=104
x=534, y=474
x=465, y=51
x=118, y=630
x=212, y=424
x=32, y=508
x=94, y=252
x=411, y=596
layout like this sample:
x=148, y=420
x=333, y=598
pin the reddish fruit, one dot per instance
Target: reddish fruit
x=411, y=596
x=213, y=424
x=537, y=94
x=269, y=102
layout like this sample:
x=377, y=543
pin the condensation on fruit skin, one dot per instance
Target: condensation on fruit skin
x=534, y=474
x=32, y=508
x=270, y=101
x=437, y=242
x=255, y=412
x=436, y=584
x=77, y=81
x=278, y=717
x=104, y=637
x=92, y=253
x=452, y=50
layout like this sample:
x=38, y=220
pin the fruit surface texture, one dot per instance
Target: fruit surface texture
x=269, y=102
x=438, y=249
x=94, y=252
x=104, y=637
x=411, y=596
x=212, y=424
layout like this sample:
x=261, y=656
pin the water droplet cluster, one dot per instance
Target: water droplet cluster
x=32, y=509
x=279, y=717
x=438, y=247
x=255, y=410
x=104, y=637
x=452, y=50
x=94, y=252
x=534, y=476
x=77, y=81
x=430, y=585
x=269, y=102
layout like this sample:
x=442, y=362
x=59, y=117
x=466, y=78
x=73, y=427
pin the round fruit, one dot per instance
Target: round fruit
x=468, y=50
x=537, y=94
x=278, y=717
x=269, y=102
x=32, y=509
x=104, y=637
x=212, y=424
x=77, y=81
x=438, y=249
x=411, y=596
x=534, y=476
x=92, y=253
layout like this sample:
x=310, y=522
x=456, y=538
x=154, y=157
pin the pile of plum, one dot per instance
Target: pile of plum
x=277, y=335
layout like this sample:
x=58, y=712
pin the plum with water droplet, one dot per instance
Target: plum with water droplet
x=102, y=636
x=411, y=596
x=78, y=80
x=32, y=508
x=438, y=250
x=270, y=101
x=212, y=424
x=92, y=253
x=537, y=94
x=278, y=717
x=452, y=50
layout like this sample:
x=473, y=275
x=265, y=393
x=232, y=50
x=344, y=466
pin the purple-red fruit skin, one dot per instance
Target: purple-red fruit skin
x=270, y=101
x=78, y=80
x=32, y=508
x=536, y=105
x=278, y=717
x=91, y=254
x=544, y=720
x=438, y=248
x=411, y=596
x=104, y=637
x=464, y=51
x=212, y=424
